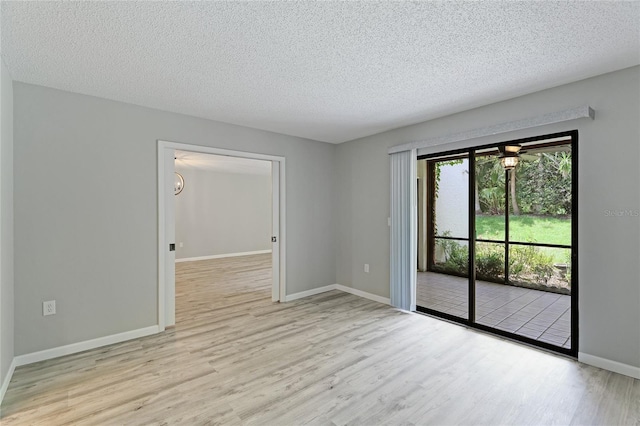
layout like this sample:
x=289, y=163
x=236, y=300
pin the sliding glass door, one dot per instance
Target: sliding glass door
x=500, y=233
x=447, y=227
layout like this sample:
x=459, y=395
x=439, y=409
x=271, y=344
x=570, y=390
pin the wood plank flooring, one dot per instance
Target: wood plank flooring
x=236, y=358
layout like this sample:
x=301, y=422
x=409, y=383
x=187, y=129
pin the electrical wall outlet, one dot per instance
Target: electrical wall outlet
x=366, y=267
x=49, y=307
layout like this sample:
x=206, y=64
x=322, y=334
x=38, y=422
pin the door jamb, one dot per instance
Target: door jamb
x=278, y=289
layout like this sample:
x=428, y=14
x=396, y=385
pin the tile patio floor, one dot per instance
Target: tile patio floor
x=532, y=313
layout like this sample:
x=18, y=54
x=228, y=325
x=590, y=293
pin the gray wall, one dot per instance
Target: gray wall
x=86, y=227
x=222, y=213
x=609, y=247
x=86, y=207
x=6, y=221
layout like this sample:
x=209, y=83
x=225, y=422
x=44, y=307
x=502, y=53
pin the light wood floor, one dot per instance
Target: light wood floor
x=236, y=358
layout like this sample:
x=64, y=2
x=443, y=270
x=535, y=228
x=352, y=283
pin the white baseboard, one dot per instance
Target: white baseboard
x=7, y=379
x=220, y=256
x=312, y=292
x=340, y=287
x=84, y=346
x=363, y=294
x=607, y=364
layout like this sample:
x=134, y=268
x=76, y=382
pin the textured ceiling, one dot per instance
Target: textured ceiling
x=221, y=163
x=329, y=71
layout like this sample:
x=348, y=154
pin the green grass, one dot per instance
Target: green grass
x=528, y=229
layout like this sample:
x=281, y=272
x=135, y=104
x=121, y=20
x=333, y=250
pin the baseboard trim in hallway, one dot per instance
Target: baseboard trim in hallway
x=307, y=293
x=363, y=294
x=222, y=256
x=84, y=346
x=7, y=379
x=607, y=364
x=355, y=292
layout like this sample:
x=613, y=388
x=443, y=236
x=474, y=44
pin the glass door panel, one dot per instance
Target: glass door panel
x=523, y=245
x=491, y=301
x=489, y=197
x=444, y=287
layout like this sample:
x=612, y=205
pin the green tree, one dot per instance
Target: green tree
x=544, y=184
x=490, y=185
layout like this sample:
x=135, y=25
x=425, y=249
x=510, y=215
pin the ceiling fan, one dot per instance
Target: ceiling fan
x=509, y=156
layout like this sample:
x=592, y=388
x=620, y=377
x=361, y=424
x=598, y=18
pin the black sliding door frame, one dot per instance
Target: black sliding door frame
x=470, y=153
x=471, y=317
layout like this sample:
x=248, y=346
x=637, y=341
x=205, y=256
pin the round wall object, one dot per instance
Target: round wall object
x=178, y=184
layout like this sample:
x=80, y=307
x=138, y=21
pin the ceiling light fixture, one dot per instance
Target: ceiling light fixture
x=509, y=156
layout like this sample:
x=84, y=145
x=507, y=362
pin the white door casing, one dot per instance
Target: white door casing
x=170, y=235
x=166, y=223
x=275, y=230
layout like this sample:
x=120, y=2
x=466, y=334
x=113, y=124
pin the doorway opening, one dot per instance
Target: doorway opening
x=222, y=232
x=220, y=226
x=497, y=239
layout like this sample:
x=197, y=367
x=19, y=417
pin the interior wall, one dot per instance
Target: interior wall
x=86, y=223
x=6, y=223
x=609, y=243
x=222, y=213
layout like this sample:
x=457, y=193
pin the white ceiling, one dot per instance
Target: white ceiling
x=221, y=163
x=329, y=71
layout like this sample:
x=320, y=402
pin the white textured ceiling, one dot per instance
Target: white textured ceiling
x=221, y=163
x=329, y=71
